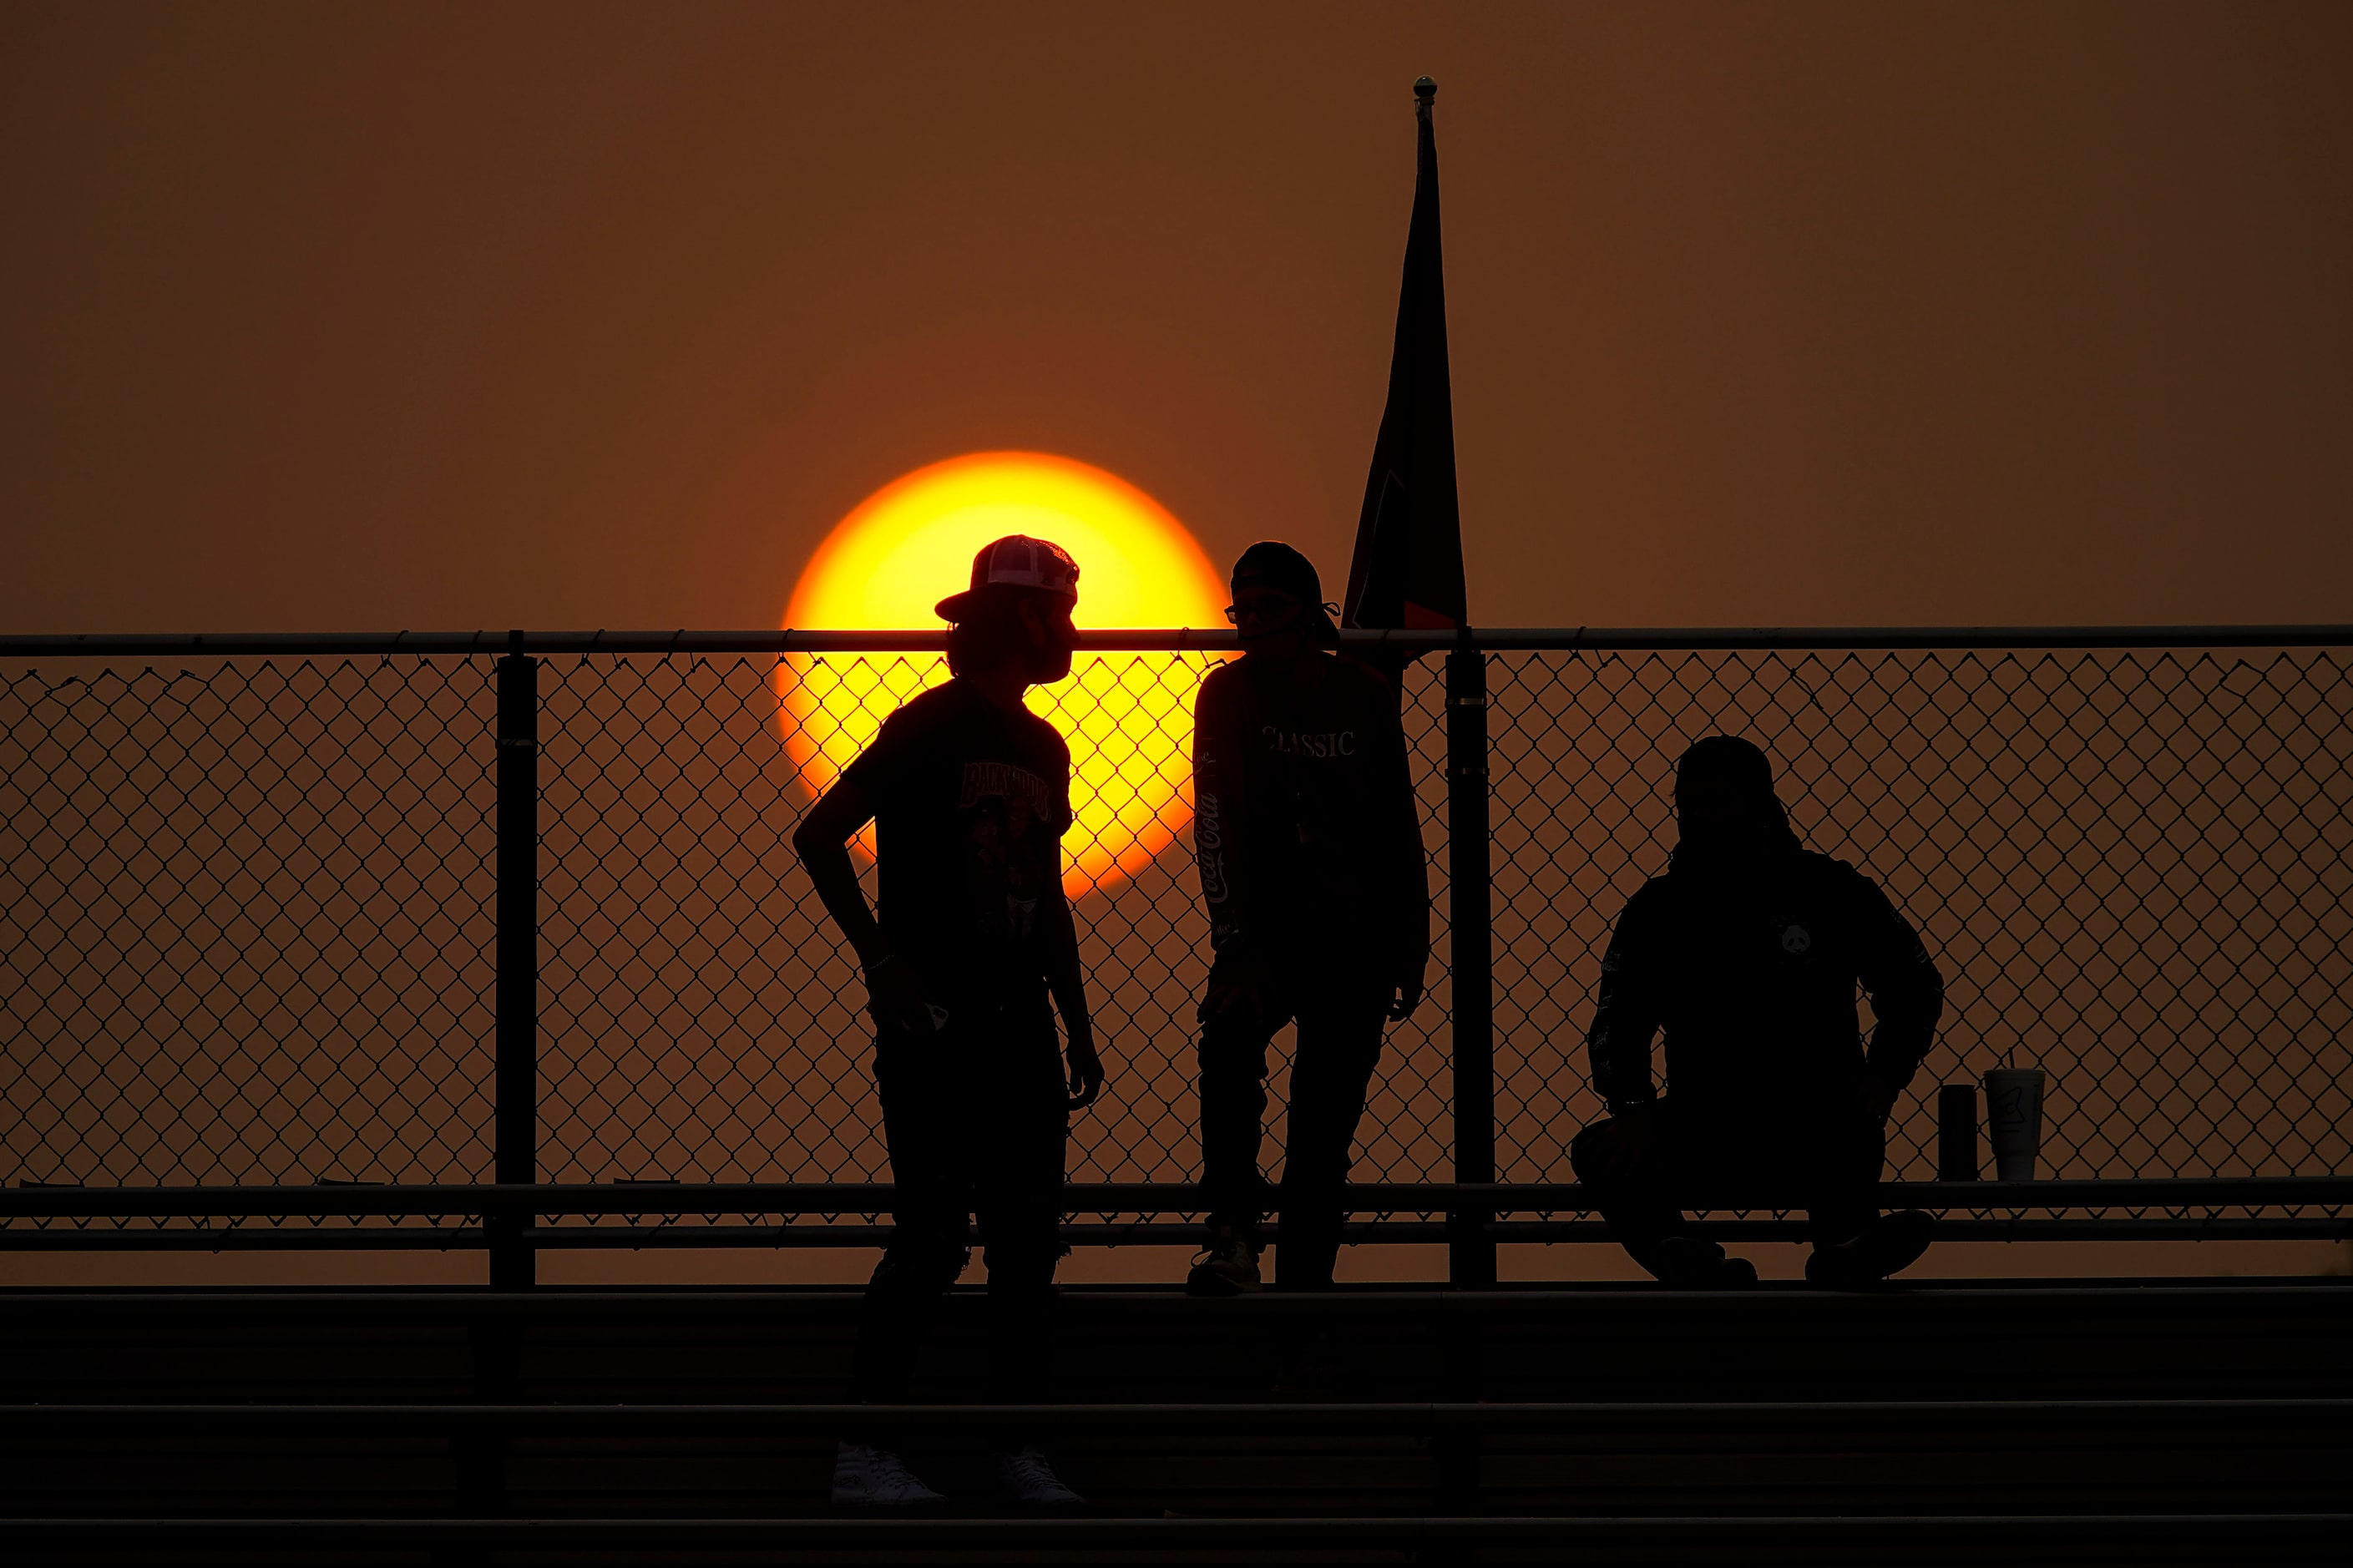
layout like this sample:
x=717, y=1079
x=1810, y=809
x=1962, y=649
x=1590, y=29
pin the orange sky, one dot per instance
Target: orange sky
x=358, y=317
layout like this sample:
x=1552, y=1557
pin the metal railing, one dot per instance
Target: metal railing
x=323, y=937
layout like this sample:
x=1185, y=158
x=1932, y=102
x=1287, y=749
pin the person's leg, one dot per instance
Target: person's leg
x=1853, y=1244
x=1232, y=1056
x=1017, y=1159
x=1640, y=1168
x=1621, y=1160
x=1017, y=1163
x=1841, y=1173
x=929, y=1236
x=924, y=1255
x=1340, y=1025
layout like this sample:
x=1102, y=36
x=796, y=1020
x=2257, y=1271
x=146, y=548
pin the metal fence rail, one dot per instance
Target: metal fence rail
x=451, y=910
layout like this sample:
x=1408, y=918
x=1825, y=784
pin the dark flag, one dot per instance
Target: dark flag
x=1408, y=567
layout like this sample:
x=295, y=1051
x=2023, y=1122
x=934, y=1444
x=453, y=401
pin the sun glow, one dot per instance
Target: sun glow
x=1127, y=716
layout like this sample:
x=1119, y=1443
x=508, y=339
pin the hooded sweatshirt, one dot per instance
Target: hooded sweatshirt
x=1748, y=955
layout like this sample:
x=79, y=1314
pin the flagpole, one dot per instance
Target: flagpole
x=1470, y=1261
x=1406, y=574
x=1470, y=848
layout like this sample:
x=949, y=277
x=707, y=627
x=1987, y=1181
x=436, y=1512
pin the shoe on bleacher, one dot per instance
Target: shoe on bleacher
x=1687, y=1263
x=867, y=1477
x=1886, y=1245
x=1025, y=1476
x=1226, y=1266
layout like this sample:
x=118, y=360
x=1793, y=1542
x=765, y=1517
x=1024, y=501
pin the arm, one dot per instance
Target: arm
x=1067, y=981
x=1907, y=994
x=1220, y=807
x=1626, y=1015
x=822, y=842
x=1218, y=810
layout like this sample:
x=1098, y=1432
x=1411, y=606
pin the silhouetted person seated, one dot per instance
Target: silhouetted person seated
x=1747, y=954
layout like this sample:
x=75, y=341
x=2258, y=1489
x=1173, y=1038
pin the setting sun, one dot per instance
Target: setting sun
x=1128, y=716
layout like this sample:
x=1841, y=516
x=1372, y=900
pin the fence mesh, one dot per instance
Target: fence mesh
x=703, y=1021
x=246, y=922
x=248, y=909
x=2132, y=868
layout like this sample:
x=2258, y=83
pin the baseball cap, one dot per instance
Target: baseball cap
x=1270, y=563
x=1016, y=560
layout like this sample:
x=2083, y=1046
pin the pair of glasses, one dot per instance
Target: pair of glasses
x=1238, y=614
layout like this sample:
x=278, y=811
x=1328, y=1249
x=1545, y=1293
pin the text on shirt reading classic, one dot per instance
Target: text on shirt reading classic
x=1309, y=743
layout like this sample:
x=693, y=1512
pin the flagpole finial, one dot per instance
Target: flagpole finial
x=1425, y=88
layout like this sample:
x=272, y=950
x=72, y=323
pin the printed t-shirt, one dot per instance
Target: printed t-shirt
x=1304, y=829
x=971, y=802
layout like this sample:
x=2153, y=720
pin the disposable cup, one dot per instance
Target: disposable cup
x=2014, y=1121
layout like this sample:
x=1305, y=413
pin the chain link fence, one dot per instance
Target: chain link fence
x=247, y=921
x=2133, y=869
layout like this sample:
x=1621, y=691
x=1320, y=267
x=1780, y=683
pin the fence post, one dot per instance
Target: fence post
x=516, y=1090
x=1470, y=1254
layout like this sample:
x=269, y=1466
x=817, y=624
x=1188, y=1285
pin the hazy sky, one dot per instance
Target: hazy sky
x=367, y=317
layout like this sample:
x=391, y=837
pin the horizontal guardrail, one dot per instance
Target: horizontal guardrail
x=1182, y=640
x=1911, y=1538
x=1109, y=1197
x=1383, y=1418
x=672, y=1237
x=1967, y=1208
x=2115, y=1304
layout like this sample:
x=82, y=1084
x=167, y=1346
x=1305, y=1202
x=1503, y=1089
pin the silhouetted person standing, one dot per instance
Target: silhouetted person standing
x=1747, y=954
x=970, y=795
x=1309, y=850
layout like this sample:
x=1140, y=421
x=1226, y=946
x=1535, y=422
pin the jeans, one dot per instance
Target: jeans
x=1340, y=1008
x=974, y=1121
x=1763, y=1158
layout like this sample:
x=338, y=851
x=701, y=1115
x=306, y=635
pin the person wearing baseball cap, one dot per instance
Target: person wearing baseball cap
x=1308, y=846
x=967, y=960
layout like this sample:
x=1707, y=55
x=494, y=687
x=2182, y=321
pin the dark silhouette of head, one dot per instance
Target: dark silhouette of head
x=1019, y=607
x=1725, y=803
x=1277, y=592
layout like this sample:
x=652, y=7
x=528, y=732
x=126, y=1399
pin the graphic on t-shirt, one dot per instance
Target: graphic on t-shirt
x=982, y=780
x=970, y=804
x=1005, y=812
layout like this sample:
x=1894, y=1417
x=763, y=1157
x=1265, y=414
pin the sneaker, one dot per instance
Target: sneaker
x=1687, y=1263
x=867, y=1477
x=1734, y=1274
x=1024, y=1477
x=1886, y=1246
x=1226, y=1266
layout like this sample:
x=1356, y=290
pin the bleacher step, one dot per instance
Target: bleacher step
x=1629, y=1424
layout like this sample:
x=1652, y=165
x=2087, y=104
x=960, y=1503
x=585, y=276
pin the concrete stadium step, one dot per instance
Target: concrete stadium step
x=2234, y=1338
x=578, y=1422
x=2016, y=1541
x=1883, y=1458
